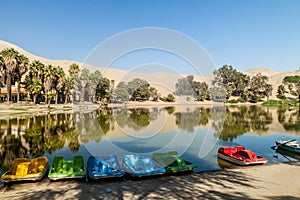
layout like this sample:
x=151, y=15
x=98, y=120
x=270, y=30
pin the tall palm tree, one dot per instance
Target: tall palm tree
x=59, y=81
x=34, y=86
x=22, y=68
x=36, y=70
x=68, y=86
x=35, y=78
x=49, y=77
x=2, y=75
x=74, y=71
x=9, y=56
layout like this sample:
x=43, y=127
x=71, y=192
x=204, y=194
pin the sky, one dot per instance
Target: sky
x=245, y=34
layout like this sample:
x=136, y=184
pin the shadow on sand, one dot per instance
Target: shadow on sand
x=204, y=185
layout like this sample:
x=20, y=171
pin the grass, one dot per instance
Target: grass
x=279, y=102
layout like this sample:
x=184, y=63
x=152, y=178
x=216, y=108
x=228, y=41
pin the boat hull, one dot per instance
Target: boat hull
x=104, y=167
x=24, y=169
x=288, y=147
x=241, y=162
x=172, y=162
x=67, y=169
x=141, y=166
x=240, y=156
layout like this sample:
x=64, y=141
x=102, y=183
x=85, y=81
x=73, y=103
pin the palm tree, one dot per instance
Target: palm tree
x=68, y=86
x=59, y=81
x=22, y=68
x=49, y=77
x=84, y=78
x=34, y=86
x=2, y=75
x=9, y=56
x=36, y=70
x=74, y=71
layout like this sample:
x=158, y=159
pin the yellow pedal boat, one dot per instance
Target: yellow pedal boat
x=24, y=169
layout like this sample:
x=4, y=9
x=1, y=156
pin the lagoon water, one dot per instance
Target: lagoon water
x=194, y=132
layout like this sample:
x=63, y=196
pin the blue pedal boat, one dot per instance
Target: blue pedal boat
x=103, y=167
x=142, y=165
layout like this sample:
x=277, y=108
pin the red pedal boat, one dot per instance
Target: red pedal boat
x=240, y=156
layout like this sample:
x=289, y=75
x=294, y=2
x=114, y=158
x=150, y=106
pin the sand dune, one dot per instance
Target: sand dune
x=164, y=82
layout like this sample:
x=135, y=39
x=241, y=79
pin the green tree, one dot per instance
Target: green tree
x=9, y=56
x=202, y=91
x=22, y=68
x=74, y=71
x=93, y=81
x=50, y=75
x=36, y=70
x=184, y=87
x=258, y=86
x=281, y=92
x=136, y=83
x=233, y=81
x=154, y=93
x=103, y=90
x=120, y=94
x=291, y=87
x=68, y=86
x=34, y=87
x=58, y=81
x=268, y=90
x=141, y=93
x=82, y=82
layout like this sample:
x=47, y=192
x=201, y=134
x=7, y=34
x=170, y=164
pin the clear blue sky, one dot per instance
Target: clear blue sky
x=245, y=34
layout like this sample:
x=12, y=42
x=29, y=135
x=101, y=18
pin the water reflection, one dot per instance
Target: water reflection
x=39, y=135
x=241, y=120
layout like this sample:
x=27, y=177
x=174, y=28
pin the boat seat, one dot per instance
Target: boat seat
x=240, y=148
x=22, y=169
x=228, y=151
x=57, y=164
x=78, y=163
x=36, y=166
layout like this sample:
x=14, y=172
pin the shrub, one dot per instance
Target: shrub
x=169, y=98
x=241, y=100
x=232, y=101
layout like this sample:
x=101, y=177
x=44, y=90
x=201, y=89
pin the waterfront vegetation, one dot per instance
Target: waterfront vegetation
x=39, y=83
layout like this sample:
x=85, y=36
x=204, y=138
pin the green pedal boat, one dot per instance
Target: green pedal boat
x=172, y=162
x=65, y=169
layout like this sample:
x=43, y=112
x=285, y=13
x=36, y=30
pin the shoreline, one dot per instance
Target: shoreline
x=270, y=181
x=24, y=108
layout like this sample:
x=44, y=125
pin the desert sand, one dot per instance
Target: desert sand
x=274, y=181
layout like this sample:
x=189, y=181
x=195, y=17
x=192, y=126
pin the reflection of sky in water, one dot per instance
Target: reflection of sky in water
x=203, y=146
x=108, y=134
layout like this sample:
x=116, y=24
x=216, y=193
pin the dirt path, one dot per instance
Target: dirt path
x=275, y=181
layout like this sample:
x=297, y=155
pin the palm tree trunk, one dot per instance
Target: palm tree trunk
x=19, y=91
x=66, y=98
x=56, y=97
x=8, y=84
x=34, y=98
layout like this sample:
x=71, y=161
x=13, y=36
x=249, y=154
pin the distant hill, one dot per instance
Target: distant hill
x=164, y=82
x=263, y=70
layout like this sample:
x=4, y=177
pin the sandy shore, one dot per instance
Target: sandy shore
x=274, y=181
